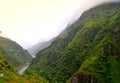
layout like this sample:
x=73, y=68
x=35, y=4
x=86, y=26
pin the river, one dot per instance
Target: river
x=22, y=69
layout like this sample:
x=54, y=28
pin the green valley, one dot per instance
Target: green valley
x=87, y=51
x=9, y=75
x=12, y=56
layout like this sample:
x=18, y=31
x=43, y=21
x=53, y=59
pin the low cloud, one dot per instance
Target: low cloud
x=32, y=21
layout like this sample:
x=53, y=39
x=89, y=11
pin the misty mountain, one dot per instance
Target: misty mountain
x=42, y=45
x=88, y=51
x=13, y=52
x=38, y=47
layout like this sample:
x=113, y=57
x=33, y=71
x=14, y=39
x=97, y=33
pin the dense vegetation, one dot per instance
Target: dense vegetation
x=14, y=53
x=88, y=52
x=8, y=75
x=7, y=69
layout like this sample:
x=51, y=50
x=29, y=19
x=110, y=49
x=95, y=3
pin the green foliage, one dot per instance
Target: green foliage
x=14, y=52
x=89, y=49
x=10, y=76
x=11, y=57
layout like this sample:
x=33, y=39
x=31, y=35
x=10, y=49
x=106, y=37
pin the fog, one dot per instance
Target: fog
x=29, y=22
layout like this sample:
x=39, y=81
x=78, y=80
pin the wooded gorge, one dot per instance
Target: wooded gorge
x=87, y=51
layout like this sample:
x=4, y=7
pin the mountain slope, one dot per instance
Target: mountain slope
x=14, y=52
x=89, y=52
x=8, y=75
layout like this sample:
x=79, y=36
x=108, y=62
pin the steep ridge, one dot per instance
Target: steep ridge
x=14, y=52
x=88, y=53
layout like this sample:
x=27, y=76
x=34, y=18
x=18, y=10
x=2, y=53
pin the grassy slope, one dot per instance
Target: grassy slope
x=90, y=49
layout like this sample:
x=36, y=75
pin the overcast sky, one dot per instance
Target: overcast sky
x=31, y=21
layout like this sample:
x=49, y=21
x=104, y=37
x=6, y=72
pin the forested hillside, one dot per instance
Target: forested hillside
x=12, y=56
x=14, y=52
x=88, y=52
x=9, y=75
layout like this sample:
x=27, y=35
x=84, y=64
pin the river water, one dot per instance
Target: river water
x=22, y=69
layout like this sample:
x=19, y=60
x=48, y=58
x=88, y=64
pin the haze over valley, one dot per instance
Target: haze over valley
x=29, y=22
x=60, y=41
